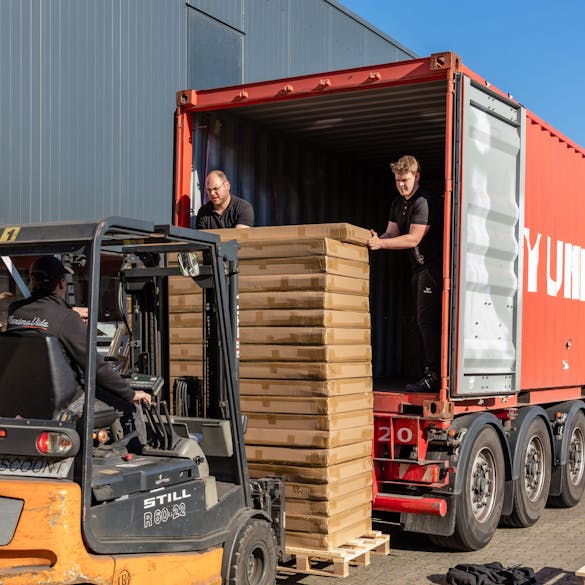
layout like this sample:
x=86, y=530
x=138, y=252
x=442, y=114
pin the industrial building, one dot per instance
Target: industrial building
x=87, y=89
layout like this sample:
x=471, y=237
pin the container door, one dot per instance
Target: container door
x=487, y=252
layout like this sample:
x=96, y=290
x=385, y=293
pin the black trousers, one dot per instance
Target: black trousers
x=427, y=288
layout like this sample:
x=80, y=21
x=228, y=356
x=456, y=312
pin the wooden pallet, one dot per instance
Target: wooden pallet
x=336, y=562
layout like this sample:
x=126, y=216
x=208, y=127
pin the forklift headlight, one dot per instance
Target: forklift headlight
x=188, y=264
x=54, y=443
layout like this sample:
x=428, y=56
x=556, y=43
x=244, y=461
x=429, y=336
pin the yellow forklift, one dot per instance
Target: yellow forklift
x=82, y=501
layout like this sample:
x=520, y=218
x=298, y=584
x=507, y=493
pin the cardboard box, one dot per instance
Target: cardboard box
x=304, y=335
x=331, y=507
x=329, y=541
x=307, y=247
x=191, y=319
x=314, y=282
x=308, y=456
x=327, y=491
x=312, y=438
x=295, y=318
x=305, y=265
x=306, y=353
x=182, y=285
x=262, y=299
x=322, y=475
x=188, y=368
x=329, y=524
x=307, y=405
x=186, y=352
x=317, y=422
x=344, y=232
x=301, y=300
x=305, y=370
x=186, y=302
x=186, y=335
x=341, y=387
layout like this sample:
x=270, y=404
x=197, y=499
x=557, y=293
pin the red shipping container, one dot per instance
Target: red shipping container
x=507, y=425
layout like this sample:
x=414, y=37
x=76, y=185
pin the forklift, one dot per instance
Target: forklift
x=88, y=499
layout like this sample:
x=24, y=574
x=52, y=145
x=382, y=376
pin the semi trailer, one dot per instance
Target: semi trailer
x=505, y=434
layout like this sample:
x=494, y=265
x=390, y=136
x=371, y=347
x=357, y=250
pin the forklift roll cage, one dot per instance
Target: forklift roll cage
x=219, y=274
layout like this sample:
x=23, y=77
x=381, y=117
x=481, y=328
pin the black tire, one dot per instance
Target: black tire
x=440, y=541
x=479, y=505
x=254, y=556
x=574, y=470
x=532, y=486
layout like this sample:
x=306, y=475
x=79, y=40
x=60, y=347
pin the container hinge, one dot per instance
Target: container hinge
x=186, y=98
x=447, y=60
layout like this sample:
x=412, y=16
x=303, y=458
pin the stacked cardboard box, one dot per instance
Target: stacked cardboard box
x=185, y=328
x=305, y=372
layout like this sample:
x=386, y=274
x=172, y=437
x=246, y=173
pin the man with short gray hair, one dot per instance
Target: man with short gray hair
x=223, y=210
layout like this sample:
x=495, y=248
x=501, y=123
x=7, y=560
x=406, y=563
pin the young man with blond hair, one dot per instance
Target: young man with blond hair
x=415, y=224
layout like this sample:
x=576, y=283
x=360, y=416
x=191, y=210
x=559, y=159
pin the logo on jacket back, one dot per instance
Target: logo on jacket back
x=36, y=322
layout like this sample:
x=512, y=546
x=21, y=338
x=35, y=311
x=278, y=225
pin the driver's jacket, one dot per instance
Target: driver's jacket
x=50, y=314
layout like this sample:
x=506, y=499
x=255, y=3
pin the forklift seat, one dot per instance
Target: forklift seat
x=36, y=379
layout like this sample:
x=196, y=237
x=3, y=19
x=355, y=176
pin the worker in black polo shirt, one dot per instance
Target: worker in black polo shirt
x=416, y=224
x=223, y=210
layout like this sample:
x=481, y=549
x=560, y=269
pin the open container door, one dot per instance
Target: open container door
x=487, y=252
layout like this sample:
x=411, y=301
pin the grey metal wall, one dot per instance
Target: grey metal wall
x=280, y=38
x=87, y=89
x=294, y=37
x=86, y=107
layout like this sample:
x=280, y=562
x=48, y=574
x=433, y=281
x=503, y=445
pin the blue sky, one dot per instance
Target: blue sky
x=532, y=49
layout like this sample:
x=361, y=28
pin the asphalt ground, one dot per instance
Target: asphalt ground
x=554, y=548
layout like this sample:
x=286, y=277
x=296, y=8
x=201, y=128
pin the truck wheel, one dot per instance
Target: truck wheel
x=479, y=504
x=253, y=560
x=531, y=489
x=574, y=469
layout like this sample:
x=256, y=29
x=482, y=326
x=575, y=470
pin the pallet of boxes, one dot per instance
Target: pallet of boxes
x=306, y=384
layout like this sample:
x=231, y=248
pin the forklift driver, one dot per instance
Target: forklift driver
x=47, y=312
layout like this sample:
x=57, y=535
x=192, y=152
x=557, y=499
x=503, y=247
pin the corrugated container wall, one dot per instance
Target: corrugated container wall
x=87, y=90
x=554, y=275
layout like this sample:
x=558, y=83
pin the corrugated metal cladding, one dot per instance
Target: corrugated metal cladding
x=86, y=107
x=87, y=89
x=325, y=159
x=283, y=38
x=553, y=311
x=307, y=37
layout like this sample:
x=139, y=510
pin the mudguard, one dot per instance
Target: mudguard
x=570, y=408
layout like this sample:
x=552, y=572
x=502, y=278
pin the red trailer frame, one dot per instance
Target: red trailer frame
x=552, y=322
